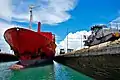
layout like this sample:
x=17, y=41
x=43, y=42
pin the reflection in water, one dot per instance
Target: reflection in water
x=54, y=71
x=62, y=72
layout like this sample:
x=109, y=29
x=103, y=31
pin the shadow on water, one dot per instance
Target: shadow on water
x=53, y=71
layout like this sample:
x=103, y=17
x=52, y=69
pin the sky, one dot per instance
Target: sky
x=65, y=18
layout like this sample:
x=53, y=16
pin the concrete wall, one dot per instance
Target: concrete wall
x=99, y=67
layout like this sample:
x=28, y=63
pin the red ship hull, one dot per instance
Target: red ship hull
x=29, y=45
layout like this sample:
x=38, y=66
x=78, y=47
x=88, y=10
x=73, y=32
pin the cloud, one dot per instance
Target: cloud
x=5, y=9
x=75, y=41
x=117, y=20
x=48, y=12
x=3, y=44
x=115, y=23
x=55, y=11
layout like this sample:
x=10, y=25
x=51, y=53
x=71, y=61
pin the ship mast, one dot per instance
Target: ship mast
x=31, y=17
x=31, y=7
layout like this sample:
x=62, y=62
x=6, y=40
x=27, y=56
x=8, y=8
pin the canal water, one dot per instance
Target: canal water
x=53, y=71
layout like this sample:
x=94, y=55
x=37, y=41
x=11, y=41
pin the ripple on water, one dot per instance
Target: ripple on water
x=5, y=72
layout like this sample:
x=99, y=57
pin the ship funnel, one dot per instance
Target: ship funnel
x=39, y=24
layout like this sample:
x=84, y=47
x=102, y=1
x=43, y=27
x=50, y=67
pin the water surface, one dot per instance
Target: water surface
x=53, y=71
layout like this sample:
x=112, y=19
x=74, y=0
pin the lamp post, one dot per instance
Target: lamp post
x=67, y=40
